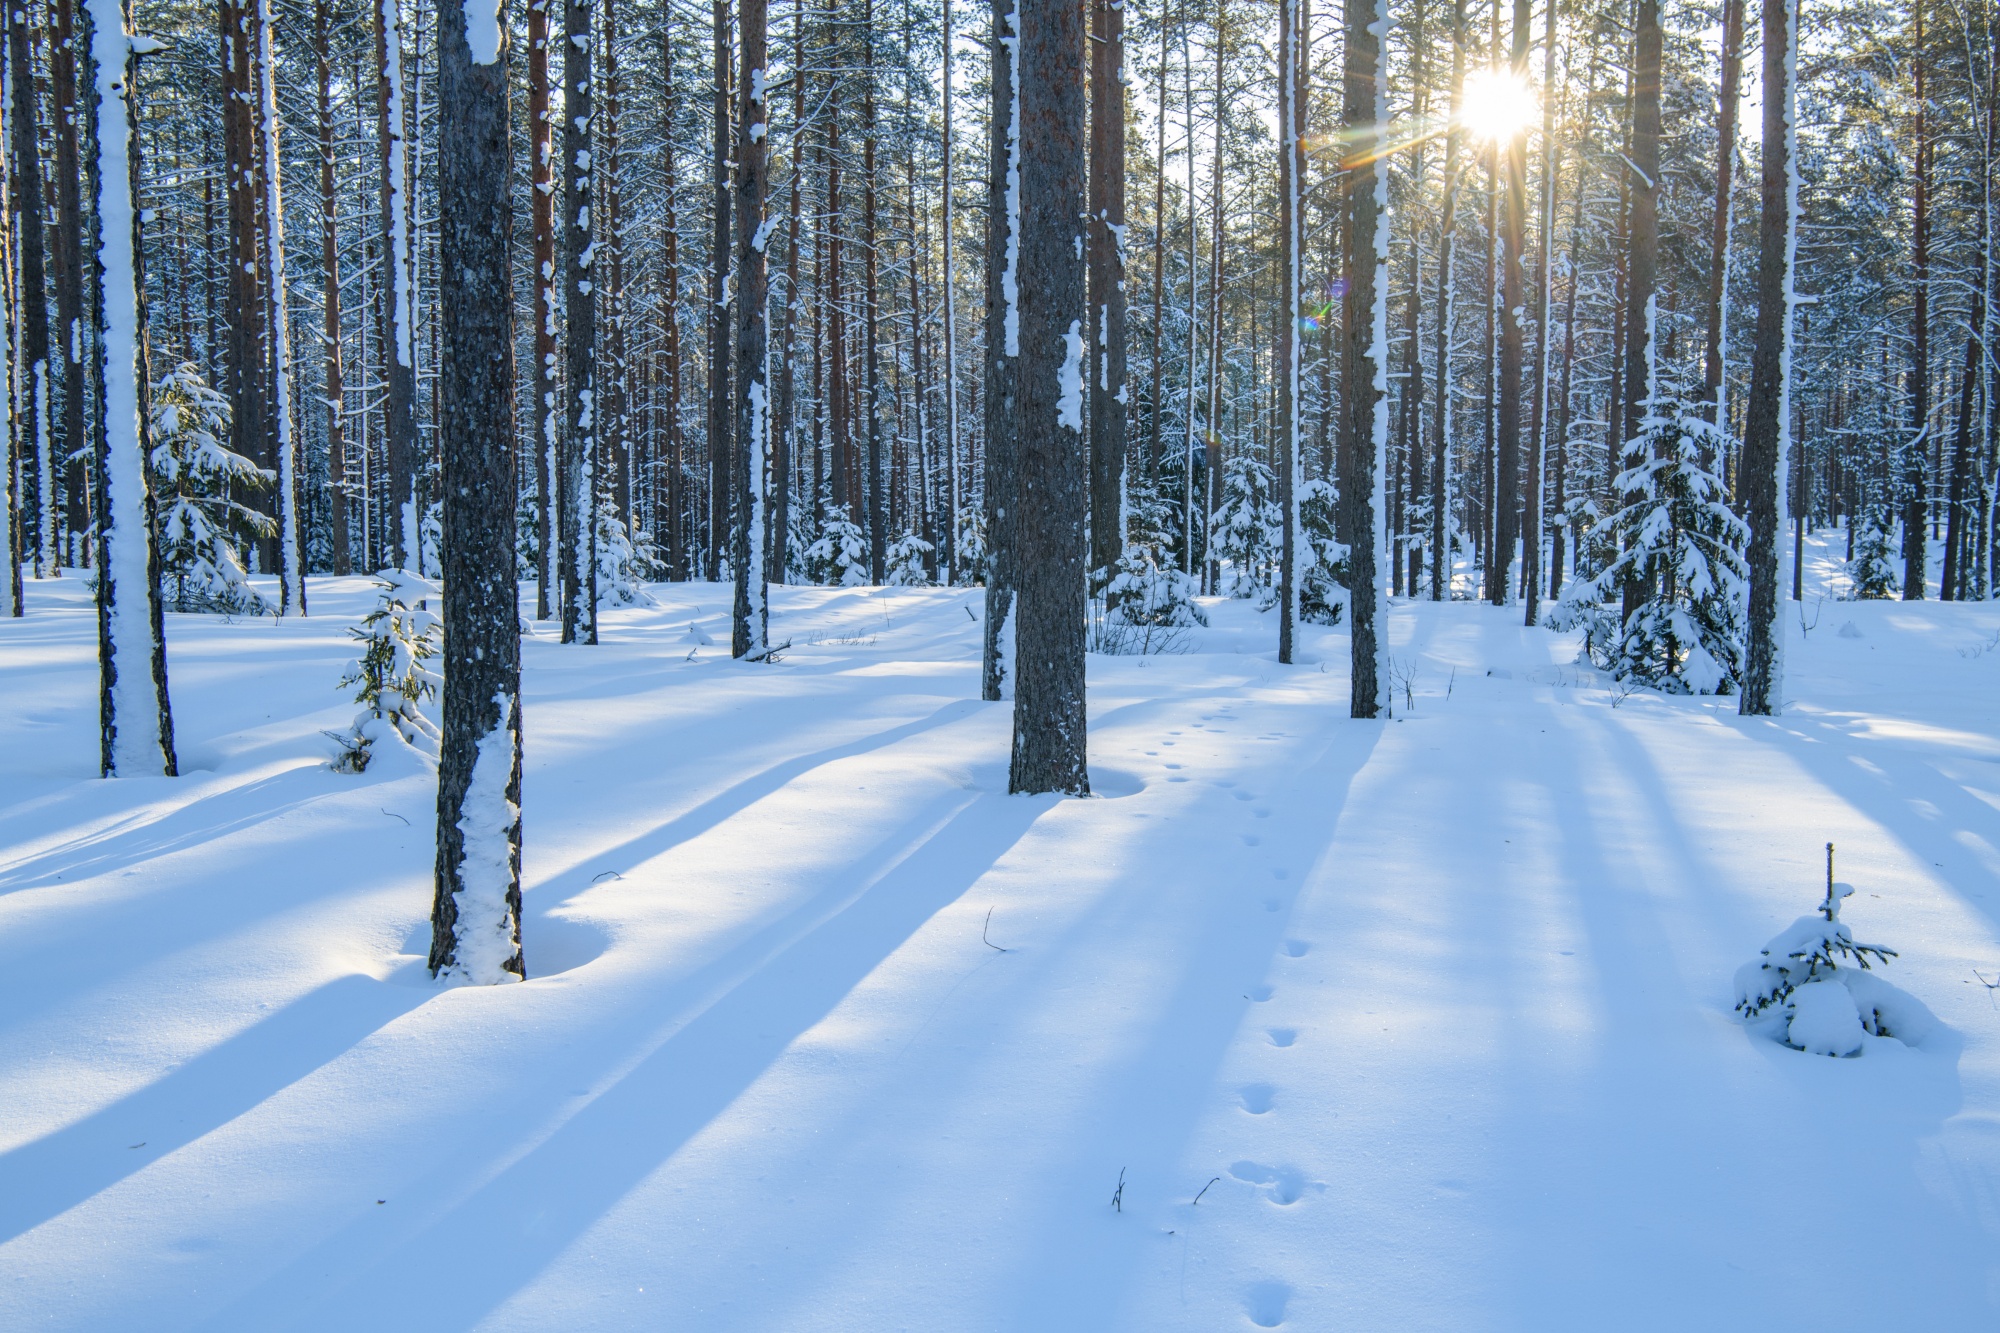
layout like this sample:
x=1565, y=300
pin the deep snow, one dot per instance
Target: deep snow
x=1437, y=1010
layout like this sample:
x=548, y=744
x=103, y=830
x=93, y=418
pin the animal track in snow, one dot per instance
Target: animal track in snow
x=1257, y=1098
x=1244, y=795
x=1297, y=948
x=1285, y=1183
x=1270, y=904
x=1282, y=1036
x=1251, y=840
x=1265, y=1303
x=1259, y=993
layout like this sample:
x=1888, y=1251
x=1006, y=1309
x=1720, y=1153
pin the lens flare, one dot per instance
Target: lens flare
x=1497, y=105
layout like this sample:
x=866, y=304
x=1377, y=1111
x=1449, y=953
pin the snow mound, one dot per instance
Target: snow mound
x=1824, y=1020
x=1813, y=988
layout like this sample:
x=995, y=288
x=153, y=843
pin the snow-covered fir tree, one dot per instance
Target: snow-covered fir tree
x=392, y=677
x=1248, y=530
x=1322, y=559
x=907, y=562
x=1872, y=573
x=840, y=555
x=201, y=488
x=622, y=568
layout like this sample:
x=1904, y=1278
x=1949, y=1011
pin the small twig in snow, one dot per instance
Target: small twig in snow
x=602, y=873
x=983, y=929
x=969, y=616
x=392, y=814
x=1991, y=986
x=1204, y=1189
x=1118, y=1196
x=1448, y=684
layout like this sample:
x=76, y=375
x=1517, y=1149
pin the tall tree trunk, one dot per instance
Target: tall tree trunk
x=71, y=290
x=1506, y=496
x=1189, y=528
x=1643, y=244
x=721, y=337
x=290, y=548
x=1106, y=281
x=748, y=635
x=1916, y=487
x=1538, y=440
x=476, y=914
x=1155, y=367
x=333, y=398
x=248, y=381
x=546, y=386
x=1365, y=364
x=1768, y=415
x=1961, y=448
x=952, y=483
x=1003, y=351
x=31, y=311
x=677, y=536
x=614, y=398
x=1052, y=480
x=1291, y=228
x=398, y=340
x=1442, y=555
x=136, y=719
x=1211, y=568
x=783, y=458
x=871, y=317
x=1714, y=388
x=576, y=483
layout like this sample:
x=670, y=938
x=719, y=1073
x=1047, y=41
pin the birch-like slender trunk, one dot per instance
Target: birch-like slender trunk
x=749, y=622
x=476, y=910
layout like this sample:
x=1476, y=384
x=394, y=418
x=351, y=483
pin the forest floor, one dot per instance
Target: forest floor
x=1301, y=1022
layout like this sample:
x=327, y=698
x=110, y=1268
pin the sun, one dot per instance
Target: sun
x=1497, y=105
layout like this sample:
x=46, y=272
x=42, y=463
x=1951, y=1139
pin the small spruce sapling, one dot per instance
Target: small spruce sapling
x=1322, y=560
x=1813, y=987
x=908, y=562
x=399, y=638
x=1248, y=531
x=1872, y=572
x=622, y=566
x=204, y=524
x=840, y=556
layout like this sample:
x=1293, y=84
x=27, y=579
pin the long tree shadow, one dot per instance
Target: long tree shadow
x=741, y=795
x=463, y=1259
x=50, y=1175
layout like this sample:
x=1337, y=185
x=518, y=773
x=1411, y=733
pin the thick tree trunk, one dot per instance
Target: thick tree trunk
x=1365, y=363
x=1291, y=229
x=749, y=623
x=1767, y=423
x=546, y=389
x=476, y=914
x=721, y=336
x=1506, y=496
x=136, y=719
x=1538, y=440
x=614, y=398
x=1106, y=329
x=785, y=435
x=576, y=482
x=248, y=379
x=72, y=293
x=1052, y=478
x=31, y=313
x=1003, y=351
x=398, y=340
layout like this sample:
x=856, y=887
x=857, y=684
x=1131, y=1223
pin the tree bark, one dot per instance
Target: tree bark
x=676, y=534
x=546, y=389
x=576, y=483
x=952, y=483
x=136, y=732
x=1052, y=485
x=1714, y=391
x=1365, y=363
x=1538, y=440
x=1916, y=488
x=1642, y=241
x=1291, y=228
x=289, y=549
x=1106, y=330
x=1003, y=344
x=476, y=913
x=1442, y=561
x=749, y=623
x=333, y=395
x=721, y=340
x=398, y=340
x=1767, y=423
x=71, y=291
x=1506, y=495
x=871, y=317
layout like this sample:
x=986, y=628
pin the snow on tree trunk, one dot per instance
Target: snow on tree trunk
x=545, y=398
x=1106, y=322
x=576, y=482
x=1443, y=475
x=1291, y=231
x=1365, y=359
x=476, y=912
x=1052, y=477
x=1003, y=350
x=749, y=622
x=137, y=736
x=291, y=561
x=952, y=484
x=1767, y=424
x=29, y=351
x=399, y=362
x=721, y=339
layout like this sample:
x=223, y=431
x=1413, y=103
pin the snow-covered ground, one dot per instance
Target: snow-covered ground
x=827, y=1032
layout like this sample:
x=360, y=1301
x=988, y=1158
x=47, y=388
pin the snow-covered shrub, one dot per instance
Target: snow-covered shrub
x=1680, y=544
x=203, y=525
x=398, y=639
x=971, y=545
x=1320, y=560
x=840, y=556
x=527, y=535
x=1872, y=571
x=430, y=540
x=1143, y=607
x=907, y=557
x=1247, y=531
x=621, y=569
x=1813, y=988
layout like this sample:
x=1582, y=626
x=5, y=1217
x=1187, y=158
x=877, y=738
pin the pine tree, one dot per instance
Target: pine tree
x=196, y=481
x=1364, y=436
